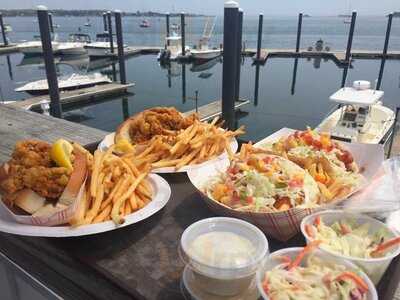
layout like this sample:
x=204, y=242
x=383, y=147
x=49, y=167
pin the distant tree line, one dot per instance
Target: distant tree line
x=82, y=13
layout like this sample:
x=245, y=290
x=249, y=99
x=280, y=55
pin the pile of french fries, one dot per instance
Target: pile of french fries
x=198, y=143
x=114, y=189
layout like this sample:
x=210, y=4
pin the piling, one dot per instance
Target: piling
x=229, y=67
x=110, y=33
x=183, y=83
x=169, y=77
x=51, y=23
x=294, y=77
x=125, y=108
x=384, y=51
x=167, y=27
x=105, y=21
x=120, y=43
x=183, y=32
x=259, y=36
x=3, y=31
x=350, y=39
x=55, y=106
x=10, y=72
x=299, y=23
x=257, y=84
x=239, y=54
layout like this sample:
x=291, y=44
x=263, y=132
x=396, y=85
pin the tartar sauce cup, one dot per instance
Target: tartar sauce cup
x=272, y=262
x=373, y=267
x=223, y=253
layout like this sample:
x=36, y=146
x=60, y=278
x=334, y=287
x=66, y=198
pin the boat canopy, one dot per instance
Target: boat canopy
x=79, y=37
x=352, y=96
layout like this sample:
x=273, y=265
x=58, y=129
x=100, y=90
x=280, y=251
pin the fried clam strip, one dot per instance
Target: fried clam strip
x=197, y=143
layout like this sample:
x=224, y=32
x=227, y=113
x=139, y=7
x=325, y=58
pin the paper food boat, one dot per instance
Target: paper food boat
x=283, y=225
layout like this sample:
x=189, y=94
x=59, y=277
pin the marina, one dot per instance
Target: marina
x=162, y=101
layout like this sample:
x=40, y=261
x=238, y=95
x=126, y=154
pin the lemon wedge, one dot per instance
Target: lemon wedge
x=124, y=146
x=61, y=153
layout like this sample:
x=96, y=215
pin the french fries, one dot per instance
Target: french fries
x=198, y=143
x=116, y=188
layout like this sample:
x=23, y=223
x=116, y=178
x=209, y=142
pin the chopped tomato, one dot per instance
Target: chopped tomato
x=344, y=228
x=317, y=221
x=268, y=159
x=233, y=170
x=265, y=286
x=308, y=139
x=317, y=144
x=297, y=182
x=249, y=199
x=346, y=157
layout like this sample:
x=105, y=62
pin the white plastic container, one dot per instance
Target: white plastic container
x=373, y=267
x=230, y=278
x=361, y=85
x=293, y=252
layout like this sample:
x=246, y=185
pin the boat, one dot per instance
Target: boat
x=71, y=82
x=75, y=45
x=175, y=27
x=87, y=24
x=101, y=47
x=201, y=66
x=35, y=47
x=360, y=117
x=144, y=24
x=173, y=48
x=7, y=28
x=202, y=50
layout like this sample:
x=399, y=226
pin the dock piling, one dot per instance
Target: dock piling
x=167, y=26
x=105, y=21
x=256, y=84
x=259, y=36
x=239, y=53
x=299, y=24
x=384, y=51
x=183, y=33
x=229, y=67
x=3, y=32
x=110, y=33
x=294, y=77
x=183, y=83
x=351, y=34
x=51, y=22
x=120, y=44
x=55, y=106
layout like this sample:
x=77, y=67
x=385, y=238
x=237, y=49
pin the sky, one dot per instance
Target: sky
x=215, y=7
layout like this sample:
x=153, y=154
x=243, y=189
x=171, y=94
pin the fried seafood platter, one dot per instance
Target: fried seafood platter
x=165, y=139
x=62, y=183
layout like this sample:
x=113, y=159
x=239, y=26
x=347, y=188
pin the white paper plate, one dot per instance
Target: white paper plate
x=162, y=193
x=109, y=140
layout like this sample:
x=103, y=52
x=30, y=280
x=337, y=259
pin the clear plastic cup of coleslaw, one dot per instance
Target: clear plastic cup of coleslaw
x=273, y=261
x=223, y=254
x=373, y=267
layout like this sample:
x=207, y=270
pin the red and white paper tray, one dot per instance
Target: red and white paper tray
x=283, y=225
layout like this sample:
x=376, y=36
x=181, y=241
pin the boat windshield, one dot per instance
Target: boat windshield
x=102, y=37
x=77, y=37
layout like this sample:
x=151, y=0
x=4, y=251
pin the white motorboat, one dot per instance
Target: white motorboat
x=360, y=117
x=75, y=45
x=87, y=24
x=35, y=47
x=7, y=28
x=101, y=47
x=172, y=49
x=202, y=50
x=71, y=82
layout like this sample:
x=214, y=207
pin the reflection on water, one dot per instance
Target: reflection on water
x=283, y=93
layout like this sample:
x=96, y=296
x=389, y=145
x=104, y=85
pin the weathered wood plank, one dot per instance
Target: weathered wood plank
x=17, y=124
x=213, y=109
x=68, y=98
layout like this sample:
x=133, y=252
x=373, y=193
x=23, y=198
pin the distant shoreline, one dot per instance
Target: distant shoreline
x=84, y=13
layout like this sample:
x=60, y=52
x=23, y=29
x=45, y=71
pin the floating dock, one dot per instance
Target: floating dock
x=12, y=48
x=339, y=57
x=213, y=109
x=76, y=98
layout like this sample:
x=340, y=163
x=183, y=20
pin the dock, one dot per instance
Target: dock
x=136, y=50
x=213, y=109
x=339, y=57
x=77, y=98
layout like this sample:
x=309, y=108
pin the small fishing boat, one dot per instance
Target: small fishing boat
x=173, y=48
x=71, y=82
x=101, y=47
x=75, y=44
x=175, y=27
x=202, y=50
x=7, y=28
x=360, y=116
x=144, y=24
x=87, y=24
x=35, y=47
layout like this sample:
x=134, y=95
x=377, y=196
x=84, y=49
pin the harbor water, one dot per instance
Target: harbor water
x=278, y=102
